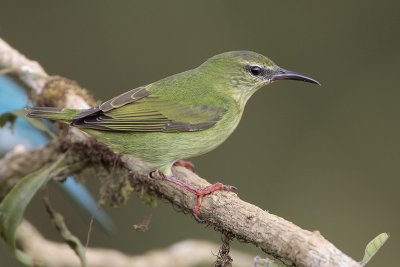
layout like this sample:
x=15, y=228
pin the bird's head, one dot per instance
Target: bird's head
x=241, y=73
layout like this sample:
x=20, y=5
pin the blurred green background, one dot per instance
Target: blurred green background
x=326, y=158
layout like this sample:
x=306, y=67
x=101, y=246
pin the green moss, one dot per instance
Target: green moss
x=56, y=90
x=148, y=198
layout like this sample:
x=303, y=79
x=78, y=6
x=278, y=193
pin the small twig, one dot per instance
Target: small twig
x=58, y=220
x=223, y=258
x=89, y=231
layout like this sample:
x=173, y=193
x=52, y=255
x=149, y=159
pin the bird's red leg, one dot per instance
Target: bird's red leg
x=198, y=192
x=184, y=163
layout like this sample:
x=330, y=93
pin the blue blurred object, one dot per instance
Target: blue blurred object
x=13, y=97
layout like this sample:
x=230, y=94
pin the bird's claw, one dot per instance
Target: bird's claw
x=157, y=175
x=197, y=218
x=230, y=188
x=199, y=193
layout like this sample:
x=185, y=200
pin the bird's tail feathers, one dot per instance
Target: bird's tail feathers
x=51, y=113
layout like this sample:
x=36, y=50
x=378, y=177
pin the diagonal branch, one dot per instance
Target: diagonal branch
x=225, y=211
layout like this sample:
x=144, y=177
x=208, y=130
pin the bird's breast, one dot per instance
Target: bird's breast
x=205, y=141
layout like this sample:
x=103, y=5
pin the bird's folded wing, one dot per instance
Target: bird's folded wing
x=138, y=111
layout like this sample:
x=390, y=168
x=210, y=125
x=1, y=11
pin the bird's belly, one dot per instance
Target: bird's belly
x=152, y=150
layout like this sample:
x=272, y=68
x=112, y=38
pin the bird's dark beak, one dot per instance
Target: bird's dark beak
x=282, y=74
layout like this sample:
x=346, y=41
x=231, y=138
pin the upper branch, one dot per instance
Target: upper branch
x=225, y=211
x=29, y=71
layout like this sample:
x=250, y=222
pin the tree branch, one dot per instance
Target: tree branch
x=225, y=211
x=29, y=71
x=183, y=254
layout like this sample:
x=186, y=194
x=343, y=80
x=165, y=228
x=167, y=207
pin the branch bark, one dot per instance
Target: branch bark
x=225, y=211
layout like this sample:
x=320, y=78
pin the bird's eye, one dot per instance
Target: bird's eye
x=256, y=70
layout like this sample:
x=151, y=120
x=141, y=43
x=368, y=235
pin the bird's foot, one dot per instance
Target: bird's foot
x=186, y=164
x=198, y=192
x=202, y=192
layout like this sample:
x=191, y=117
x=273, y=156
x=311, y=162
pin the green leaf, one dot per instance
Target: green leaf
x=373, y=247
x=11, y=117
x=13, y=206
x=7, y=117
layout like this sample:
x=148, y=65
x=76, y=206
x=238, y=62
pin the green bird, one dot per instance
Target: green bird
x=178, y=117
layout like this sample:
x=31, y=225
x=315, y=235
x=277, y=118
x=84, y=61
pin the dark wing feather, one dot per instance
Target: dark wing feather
x=126, y=98
x=123, y=99
x=137, y=111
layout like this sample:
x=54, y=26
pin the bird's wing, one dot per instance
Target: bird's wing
x=139, y=111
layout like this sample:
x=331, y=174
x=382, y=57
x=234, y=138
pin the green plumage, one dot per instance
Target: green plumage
x=180, y=116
